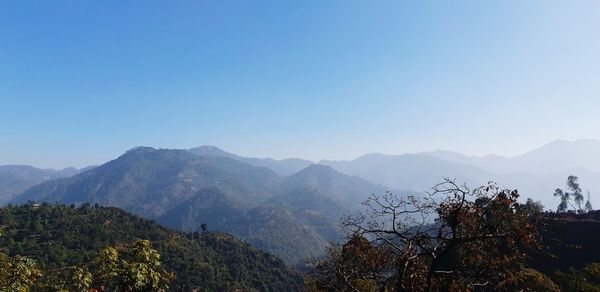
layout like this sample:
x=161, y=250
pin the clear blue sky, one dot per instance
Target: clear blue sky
x=83, y=81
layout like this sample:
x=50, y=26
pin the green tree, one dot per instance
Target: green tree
x=534, y=206
x=586, y=279
x=133, y=268
x=75, y=278
x=17, y=273
x=572, y=197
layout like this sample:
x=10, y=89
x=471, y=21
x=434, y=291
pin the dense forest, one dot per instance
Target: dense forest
x=60, y=236
x=482, y=240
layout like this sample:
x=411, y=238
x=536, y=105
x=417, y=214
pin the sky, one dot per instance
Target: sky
x=81, y=82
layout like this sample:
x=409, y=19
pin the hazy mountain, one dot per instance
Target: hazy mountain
x=14, y=179
x=416, y=172
x=311, y=200
x=557, y=156
x=292, y=234
x=560, y=155
x=282, y=167
x=148, y=181
x=347, y=191
x=293, y=217
x=539, y=172
x=209, y=206
x=276, y=229
x=536, y=173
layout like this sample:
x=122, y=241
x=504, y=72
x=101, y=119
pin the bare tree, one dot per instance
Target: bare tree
x=453, y=237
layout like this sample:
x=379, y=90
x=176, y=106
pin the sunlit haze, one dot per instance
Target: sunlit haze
x=83, y=81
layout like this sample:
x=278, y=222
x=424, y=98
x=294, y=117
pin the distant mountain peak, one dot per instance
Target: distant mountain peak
x=564, y=145
x=319, y=169
x=140, y=149
x=282, y=167
x=210, y=150
x=572, y=142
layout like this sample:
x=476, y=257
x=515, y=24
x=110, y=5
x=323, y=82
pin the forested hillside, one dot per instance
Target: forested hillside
x=293, y=217
x=58, y=236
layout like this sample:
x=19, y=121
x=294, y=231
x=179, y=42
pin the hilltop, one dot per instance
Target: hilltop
x=57, y=236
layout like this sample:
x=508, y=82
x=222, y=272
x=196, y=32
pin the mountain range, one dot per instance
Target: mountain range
x=291, y=207
x=282, y=167
x=294, y=217
x=14, y=179
x=536, y=174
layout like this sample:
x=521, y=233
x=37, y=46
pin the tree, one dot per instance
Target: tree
x=534, y=206
x=588, y=203
x=134, y=268
x=17, y=273
x=74, y=278
x=529, y=280
x=573, y=192
x=585, y=279
x=356, y=264
x=573, y=185
x=453, y=238
x=131, y=267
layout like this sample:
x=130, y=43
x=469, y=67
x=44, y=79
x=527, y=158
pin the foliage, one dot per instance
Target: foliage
x=573, y=197
x=135, y=268
x=61, y=237
x=353, y=264
x=17, y=273
x=534, y=206
x=455, y=238
x=586, y=279
x=127, y=267
x=588, y=203
x=528, y=280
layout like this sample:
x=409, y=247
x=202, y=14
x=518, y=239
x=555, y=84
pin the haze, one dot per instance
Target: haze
x=82, y=81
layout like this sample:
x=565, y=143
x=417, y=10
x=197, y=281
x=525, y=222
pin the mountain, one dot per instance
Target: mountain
x=417, y=172
x=347, y=191
x=539, y=172
x=296, y=224
x=560, y=155
x=14, y=179
x=550, y=158
x=148, y=181
x=282, y=167
x=535, y=174
x=293, y=217
x=292, y=232
x=209, y=206
x=57, y=236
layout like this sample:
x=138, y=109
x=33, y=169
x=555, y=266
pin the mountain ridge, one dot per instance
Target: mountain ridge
x=184, y=190
x=16, y=178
